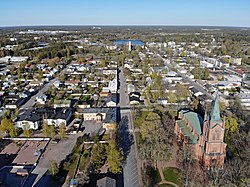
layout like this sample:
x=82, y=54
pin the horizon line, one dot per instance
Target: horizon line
x=154, y=25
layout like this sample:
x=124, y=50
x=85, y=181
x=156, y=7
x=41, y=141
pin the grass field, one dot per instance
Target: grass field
x=172, y=175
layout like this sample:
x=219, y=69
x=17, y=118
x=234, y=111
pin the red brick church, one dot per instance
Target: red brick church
x=205, y=135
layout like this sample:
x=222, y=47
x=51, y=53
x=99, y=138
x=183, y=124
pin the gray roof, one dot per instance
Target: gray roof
x=106, y=182
x=44, y=113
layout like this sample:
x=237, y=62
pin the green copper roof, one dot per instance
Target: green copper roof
x=215, y=113
x=190, y=137
x=195, y=120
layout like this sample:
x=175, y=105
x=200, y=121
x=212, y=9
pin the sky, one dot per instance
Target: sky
x=125, y=12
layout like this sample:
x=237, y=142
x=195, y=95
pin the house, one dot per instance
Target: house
x=112, y=101
x=28, y=119
x=244, y=98
x=104, y=94
x=41, y=99
x=14, y=104
x=109, y=71
x=162, y=101
x=57, y=84
x=83, y=104
x=235, y=61
x=106, y=182
x=113, y=85
x=206, y=136
x=34, y=118
x=58, y=117
x=110, y=122
x=134, y=98
x=62, y=104
x=93, y=114
x=36, y=83
x=106, y=116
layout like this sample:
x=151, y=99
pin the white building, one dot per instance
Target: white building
x=113, y=85
x=206, y=64
x=244, y=97
x=41, y=99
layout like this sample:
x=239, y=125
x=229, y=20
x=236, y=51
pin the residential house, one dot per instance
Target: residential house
x=41, y=99
x=62, y=104
x=58, y=117
x=244, y=98
x=112, y=101
x=29, y=120
x=34, y=118
x=106, y=116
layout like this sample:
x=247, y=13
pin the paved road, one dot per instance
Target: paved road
x=126, y=139
x=32, y=100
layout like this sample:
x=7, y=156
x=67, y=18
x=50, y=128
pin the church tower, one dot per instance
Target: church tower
x=214, y=150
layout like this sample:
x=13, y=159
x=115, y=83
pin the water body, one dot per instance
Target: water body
x=125, y=42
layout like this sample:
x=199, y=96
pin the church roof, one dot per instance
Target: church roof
x=191, y=138
x=215, y=113
x=194, y=119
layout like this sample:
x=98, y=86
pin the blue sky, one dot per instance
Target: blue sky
x=125, y=12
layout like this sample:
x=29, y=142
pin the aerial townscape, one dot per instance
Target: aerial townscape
x=124, y=104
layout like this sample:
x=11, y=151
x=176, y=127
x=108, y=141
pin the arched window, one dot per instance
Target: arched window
x=214, y=136
x=218, y=135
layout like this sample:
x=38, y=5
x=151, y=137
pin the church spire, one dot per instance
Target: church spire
x=215, y=113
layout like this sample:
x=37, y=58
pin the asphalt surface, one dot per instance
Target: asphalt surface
x=126, y=139
x=45, y=88
x=32, y=100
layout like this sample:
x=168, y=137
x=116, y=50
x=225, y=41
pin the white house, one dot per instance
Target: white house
x=27, y=124
x=59, y=117
x=206, y=64
x=113, y=85
x=41, y=99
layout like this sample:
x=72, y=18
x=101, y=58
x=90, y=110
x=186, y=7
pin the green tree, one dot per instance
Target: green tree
x=231, y=124
x=62, y=131
x=196, y=103
x=53, y=168
x=146, y=128
x=152, y=116
x=172, y=98
x=222, y=106
x=7, y=126
x=46, y=129
x=206, y=74
x=114, y=157
x=27, y=132
x=52, y=131
x=98, y=155
x=181, y=91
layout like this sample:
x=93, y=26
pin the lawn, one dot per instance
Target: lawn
x=172, y=175
x=165, y=185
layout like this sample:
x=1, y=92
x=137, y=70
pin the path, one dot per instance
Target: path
x=163, y=181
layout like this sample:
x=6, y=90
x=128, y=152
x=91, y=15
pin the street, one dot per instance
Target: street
x=126, y=139
x=32, y=100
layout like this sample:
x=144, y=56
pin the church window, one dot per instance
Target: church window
x=214, y=136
